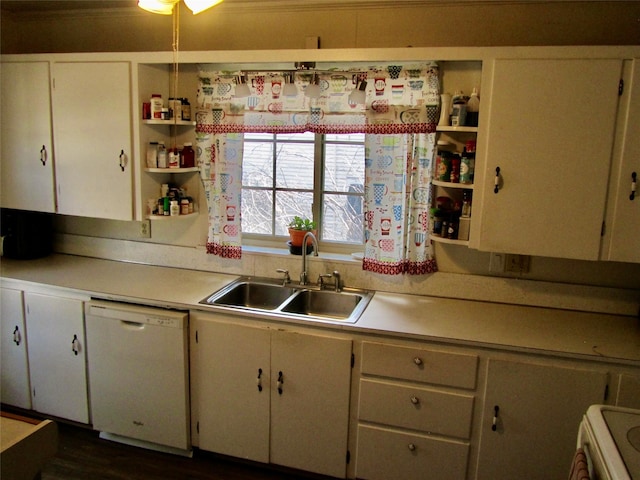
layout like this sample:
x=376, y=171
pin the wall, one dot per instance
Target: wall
x=278, y=24
x=270, y=24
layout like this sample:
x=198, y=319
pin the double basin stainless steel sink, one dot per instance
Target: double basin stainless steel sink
x=291, y=300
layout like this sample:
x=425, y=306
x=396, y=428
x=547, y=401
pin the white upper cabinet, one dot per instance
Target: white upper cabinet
x=550, y=132
x=622, y=227
x=93, y=139
x=27, y=144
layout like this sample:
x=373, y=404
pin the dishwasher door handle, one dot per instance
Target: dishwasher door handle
x=132, y=325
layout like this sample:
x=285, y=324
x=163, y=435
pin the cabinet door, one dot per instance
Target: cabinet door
x=623, y=215
x=57, y=358
x=27, y=146
x=550, y=132
x=233, y=389
x=13, y=350
x=310, y=411
x=93, y=134
x=539, y=410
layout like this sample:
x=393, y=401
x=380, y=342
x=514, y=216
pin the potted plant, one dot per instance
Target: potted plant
x=298, y=228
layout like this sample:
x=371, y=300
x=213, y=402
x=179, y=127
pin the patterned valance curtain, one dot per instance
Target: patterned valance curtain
x=399, y=118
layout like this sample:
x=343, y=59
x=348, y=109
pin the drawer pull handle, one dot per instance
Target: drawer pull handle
x=417, y=361
x=415, y=400
x=634, y=185
x=259, y=380
x=75, y=345
x=411, y=447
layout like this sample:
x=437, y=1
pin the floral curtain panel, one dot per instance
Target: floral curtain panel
x=397, y=199
x=399, y=115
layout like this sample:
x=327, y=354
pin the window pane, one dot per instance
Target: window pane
x=306, y=136
x=257, y=164
x=295, y=165
x=257, y=216
x=259, y=136
x=289, y=205
x=343, y=167
x=342, y=219
x=348, y=137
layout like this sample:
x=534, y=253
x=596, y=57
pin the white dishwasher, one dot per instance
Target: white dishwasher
x=138, y=375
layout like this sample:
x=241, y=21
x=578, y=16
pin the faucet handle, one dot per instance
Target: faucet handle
x=286, y=279
x=321, y=278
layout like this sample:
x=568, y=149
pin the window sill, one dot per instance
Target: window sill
x=354, y=258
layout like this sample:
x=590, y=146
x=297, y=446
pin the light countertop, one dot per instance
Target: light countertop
x=593, y=335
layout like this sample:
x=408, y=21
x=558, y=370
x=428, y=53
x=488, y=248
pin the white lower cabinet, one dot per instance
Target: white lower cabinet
x=531, y=418
x=57, y=357
x=14, y=387
x=415, y=413
x=271, y=395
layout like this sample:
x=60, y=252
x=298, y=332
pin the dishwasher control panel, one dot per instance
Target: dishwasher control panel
x=138, y=314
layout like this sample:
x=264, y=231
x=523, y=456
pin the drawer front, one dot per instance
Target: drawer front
x=420, y=365
x=416, y=408
x=385, y=454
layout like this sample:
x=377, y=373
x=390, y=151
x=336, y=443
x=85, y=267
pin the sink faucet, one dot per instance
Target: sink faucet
x=314, y=246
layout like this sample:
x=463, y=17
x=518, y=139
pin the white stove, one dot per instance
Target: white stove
x=610, y=437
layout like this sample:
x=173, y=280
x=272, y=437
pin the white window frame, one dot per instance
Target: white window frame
x=279, y=241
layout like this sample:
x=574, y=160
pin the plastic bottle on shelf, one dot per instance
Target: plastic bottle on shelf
x=473, y=107
x=186, y=110
x=188, y=156
x=152, y=155
x=175, y=208
x=174, y=158
x=175, y=108
x=163, y=161
x=156, y=106
x=458, y=109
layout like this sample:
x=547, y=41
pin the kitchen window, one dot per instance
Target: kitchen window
x=308, y=175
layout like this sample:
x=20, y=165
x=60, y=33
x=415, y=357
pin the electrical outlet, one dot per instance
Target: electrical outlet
x=517, y=263
x=145, y=229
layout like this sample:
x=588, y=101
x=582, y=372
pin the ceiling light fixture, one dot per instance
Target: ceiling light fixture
x=165, y=7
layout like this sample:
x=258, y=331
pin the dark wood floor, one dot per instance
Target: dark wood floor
x=82, y=455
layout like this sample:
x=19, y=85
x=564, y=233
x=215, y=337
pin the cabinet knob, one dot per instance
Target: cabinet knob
x=496, y=181
x=411, y=447
x=75, y=345
x=280, y=382
x=17, y=338
x=43, y=155
x=417, y=361
x=634, y=185
x=259, y=380
x=415, y=400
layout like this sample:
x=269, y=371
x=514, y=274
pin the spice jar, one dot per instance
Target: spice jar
x=455, y=169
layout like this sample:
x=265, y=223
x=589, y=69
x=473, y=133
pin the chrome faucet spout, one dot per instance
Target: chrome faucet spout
x=314, y=246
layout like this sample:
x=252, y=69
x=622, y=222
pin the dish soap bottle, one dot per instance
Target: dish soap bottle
x=473, y=107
